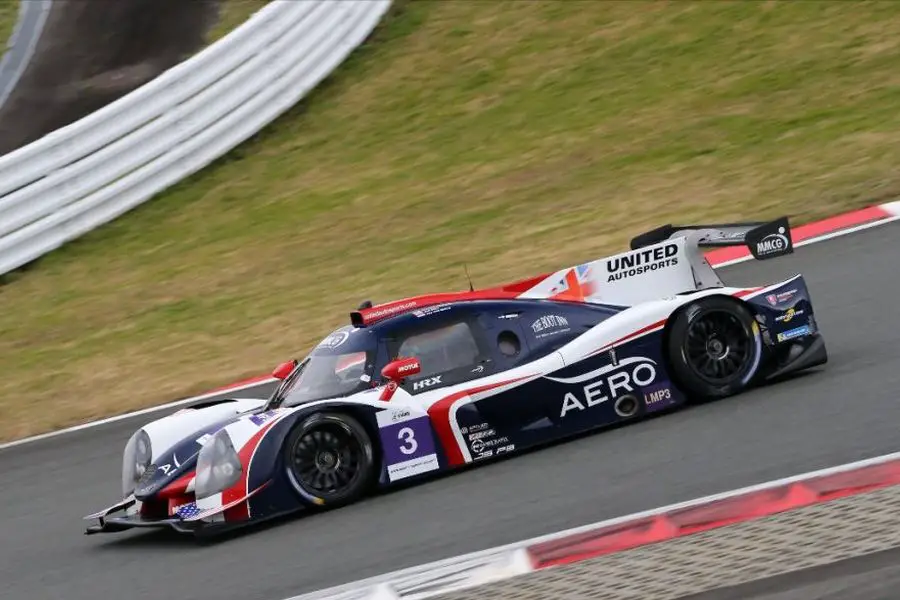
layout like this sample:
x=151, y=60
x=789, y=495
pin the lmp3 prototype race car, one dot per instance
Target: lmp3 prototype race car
x=433, y=383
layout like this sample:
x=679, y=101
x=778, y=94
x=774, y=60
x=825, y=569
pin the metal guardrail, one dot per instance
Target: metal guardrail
x=90, y=172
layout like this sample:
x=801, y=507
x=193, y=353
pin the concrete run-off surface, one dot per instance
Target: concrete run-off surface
x=844, y=412
x=784, y=543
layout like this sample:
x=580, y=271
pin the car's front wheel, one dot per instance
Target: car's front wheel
x=714, y=348
x=329, y=458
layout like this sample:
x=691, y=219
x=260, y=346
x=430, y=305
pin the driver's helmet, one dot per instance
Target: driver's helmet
x=350, y=367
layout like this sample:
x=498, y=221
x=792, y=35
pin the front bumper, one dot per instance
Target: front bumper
x=108, y=521
x=200, y=530
x=191, y=520
x=123, y=523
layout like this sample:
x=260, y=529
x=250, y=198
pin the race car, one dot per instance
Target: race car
x=427, y=384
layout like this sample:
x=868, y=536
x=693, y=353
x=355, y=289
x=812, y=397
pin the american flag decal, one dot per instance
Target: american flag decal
x=186, y=511
x=191, y=511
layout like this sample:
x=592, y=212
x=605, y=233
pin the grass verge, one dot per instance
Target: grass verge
x=513, y=136
x=232, y=14
x=9, y=14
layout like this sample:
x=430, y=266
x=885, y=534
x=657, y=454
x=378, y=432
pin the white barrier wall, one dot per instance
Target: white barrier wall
x=88, y=173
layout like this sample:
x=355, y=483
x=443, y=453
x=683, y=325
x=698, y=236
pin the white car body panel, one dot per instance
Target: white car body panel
x=612, y=279
x=172, y=429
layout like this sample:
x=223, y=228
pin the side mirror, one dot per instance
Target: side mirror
x=284, y=369
x=395, y=372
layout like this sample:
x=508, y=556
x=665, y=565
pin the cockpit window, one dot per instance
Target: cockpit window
x=442, y=350
x=328, y=376
x=340, y=365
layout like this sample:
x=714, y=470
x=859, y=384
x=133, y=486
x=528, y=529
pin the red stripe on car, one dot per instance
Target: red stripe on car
x=177, y=487
x=439, y=412
x=238, y=491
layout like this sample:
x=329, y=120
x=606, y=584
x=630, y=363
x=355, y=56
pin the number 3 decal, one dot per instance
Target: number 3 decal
x=409, y=437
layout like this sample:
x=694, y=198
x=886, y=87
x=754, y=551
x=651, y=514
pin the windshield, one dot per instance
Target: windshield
x=326, y=376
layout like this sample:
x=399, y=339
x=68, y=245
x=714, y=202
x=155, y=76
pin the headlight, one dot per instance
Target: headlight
x=218, y=466
x=135, y=460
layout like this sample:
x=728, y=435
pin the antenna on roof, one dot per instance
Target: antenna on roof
x=471, y=287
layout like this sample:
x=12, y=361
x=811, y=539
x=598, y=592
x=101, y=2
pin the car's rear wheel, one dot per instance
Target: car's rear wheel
x=329, y=458
x=714, y=348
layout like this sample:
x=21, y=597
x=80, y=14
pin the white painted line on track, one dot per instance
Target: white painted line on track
x=820, y=238
x=892, y=207
x=136, y=413
x=33, y=14
x=397, y=577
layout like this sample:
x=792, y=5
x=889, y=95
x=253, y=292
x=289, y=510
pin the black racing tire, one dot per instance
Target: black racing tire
x=330, y=460
x=714, y=348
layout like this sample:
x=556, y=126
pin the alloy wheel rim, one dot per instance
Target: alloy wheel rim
x=327, y=459
x=717, y=346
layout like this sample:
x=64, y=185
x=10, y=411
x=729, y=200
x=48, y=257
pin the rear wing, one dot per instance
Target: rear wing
x=765, y=240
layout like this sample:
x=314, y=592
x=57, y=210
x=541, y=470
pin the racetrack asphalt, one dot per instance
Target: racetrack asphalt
x=843, y=412
x=20, y=47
